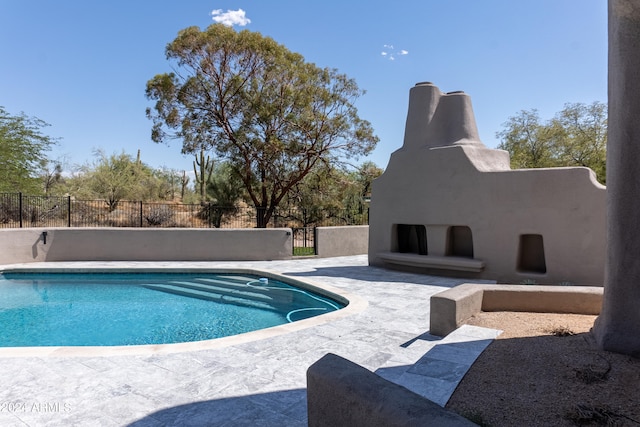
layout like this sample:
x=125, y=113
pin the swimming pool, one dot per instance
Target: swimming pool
x=106, y=308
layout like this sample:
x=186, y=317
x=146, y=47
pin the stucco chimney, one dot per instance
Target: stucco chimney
x=436, y=119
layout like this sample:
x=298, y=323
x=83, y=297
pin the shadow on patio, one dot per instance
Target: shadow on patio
x=281, y=408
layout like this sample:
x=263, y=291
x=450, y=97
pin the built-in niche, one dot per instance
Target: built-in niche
x=531, y=254
x=412, y=238
x=459, y=241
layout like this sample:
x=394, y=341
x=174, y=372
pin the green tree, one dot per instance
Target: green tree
x=359, y=194
x=318, y=196
x=224, y=188
x=576, y=136
x=272, y=115
x=117, y=177
x=23, y=150
x=363, y=178
x=50, y=176
x=581, y=137
x=169, y=183
x=528, y=141
x=223, y=191
x=333, y=196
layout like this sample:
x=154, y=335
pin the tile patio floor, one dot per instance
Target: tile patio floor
x=256, y=382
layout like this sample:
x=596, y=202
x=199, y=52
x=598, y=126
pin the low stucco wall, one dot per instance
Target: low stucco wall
x=342, y=241
x=143, y=244
x=451, y=308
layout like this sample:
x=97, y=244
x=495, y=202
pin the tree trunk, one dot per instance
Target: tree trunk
x=261, y=217
x=617, y=328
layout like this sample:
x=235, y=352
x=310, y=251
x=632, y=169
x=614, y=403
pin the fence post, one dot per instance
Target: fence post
x=140, y=213
x=68, y=211
x=20, y=207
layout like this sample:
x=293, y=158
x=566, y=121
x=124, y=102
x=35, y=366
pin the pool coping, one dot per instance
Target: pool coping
x=354, y=304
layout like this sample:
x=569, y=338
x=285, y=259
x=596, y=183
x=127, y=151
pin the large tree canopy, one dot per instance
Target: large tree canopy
x=23, y=149
x=272, y=115
x=576, y=136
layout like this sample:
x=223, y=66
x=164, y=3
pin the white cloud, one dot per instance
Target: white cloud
x=230, y=17
x=390, y=53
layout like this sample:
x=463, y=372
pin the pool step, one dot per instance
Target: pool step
x=274, y=297
x=236, y=288
x=283, y=295
x=232, y=282
x=235, y=278
x=227, y=298
x=223, y=290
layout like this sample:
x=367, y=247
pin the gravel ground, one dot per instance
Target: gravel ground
x=545, y=370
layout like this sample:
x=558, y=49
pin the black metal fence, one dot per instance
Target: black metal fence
x=21, y=211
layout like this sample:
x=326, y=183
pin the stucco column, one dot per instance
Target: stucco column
x=618, y=326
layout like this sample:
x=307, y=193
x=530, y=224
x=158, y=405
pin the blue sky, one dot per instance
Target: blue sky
x=82, y=66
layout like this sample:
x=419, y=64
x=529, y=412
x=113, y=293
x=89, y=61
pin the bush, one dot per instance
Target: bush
x=159, y=215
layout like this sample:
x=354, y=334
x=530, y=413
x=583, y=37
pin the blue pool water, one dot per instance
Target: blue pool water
x=107, y=309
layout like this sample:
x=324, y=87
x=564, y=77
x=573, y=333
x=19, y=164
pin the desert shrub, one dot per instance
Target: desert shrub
x=159, y=215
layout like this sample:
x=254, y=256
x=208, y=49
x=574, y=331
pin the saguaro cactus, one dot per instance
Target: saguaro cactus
x=203, y=169
x=183, y=184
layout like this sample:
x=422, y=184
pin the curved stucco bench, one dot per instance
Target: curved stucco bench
x=451, y=308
